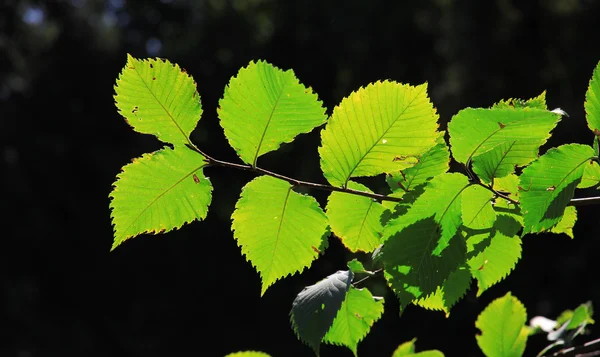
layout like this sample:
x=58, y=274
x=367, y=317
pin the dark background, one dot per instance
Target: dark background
x=191, y=292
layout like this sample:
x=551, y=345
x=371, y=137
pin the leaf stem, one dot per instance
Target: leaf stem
x=210, y=161
x=499, y=194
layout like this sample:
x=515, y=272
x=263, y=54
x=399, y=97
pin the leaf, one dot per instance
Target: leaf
x=476, y=131
x=159, y=192
x=355, y=219
x=476, y=208
x=538, y=102
x=413, y=266
x=582, y=315
x=159, y=98
x=440, y=199
x=499, y=256
x=316, y=307
x=248, y=354
x=591, y=175
x=494, y=163
x=566, y=223
x=508, y=184
x=548, y=184
x=280, y=231
x=407, y=349
x=354, y=319
x=263, y=107
x=502, y=326
x=592, y=102
x=449, y=293
x=381, y=128
x=358, y=267
x=434, y=162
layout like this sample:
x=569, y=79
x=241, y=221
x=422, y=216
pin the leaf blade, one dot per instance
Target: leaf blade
x=159, y=192
x=280, y=231
x=159, y=98
x=592, y=102
x=367, y=133
x=264, y=107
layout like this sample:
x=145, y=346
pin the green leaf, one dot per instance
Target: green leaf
x=592, y=102
x=407, y=349
x=264, y=107
x=538, y=102
x=566, y=223
x=518, y=131
x=548, y=184
x=316, y=307
x=449, y=293
x=495, y=162
x=413, y=266
x=159, y=98
x=502, y=326
x=381, y=128
x=248, y=354
x=280, y=231
x=435, y=161
x=354, y=319
x=159, y=192
x=357, y=267
x=508, y=184
x=582, y=315
x=477, y=211
x=355, y=219
x=591, y=175
x=493, y=260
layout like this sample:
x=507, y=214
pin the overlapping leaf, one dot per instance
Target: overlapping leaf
x=592, y=102
x=355, y=219
x=547, y=185
x=566, y=223
x=381, y=128
x=159, y=98
x=435, y=161
x=407, y=349
x=449, y=293
x=159, y=192
x=502, y=326
x=513, y=135
x=591, y=175
x=280, y=231
x=316, y=307
x=264, y=107
x=359, y=311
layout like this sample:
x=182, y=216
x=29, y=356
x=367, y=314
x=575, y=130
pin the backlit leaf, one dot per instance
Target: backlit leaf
x=159, y=192
x=515, y=134
x=567, y=222
x=248, y=354
x=381, y=128
x=538, y=102
x=449, y=293
x=434, y=162
x=355, y=219
x=158, y=98
x=591, y=175
x=592, y=102
x=280, y=231
x=407, y=349
x=316, y=307
x=502, y=326
x=263, y=107
x=354, y=319
x=548, y=184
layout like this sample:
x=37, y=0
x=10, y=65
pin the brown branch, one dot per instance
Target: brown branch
x=588, y=349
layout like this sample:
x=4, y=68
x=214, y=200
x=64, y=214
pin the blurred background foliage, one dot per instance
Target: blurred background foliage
x=191, y=292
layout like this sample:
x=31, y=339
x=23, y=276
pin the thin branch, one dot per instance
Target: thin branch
x=214, y=162
x=588, y=349
x=210, y=161
x=367, y=277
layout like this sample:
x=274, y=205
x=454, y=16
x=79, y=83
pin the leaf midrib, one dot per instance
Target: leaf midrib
x=264, y=133
x=277, y=236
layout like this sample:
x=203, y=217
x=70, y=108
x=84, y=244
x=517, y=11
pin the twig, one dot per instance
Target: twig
x=588, y=349
x=210, y=161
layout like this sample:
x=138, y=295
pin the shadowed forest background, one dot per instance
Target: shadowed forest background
x=191, y=292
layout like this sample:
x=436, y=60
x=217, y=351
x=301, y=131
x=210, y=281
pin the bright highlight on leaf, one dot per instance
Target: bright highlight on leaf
x=566, y=223
x=381, y=128
x=502, y=326
x=355, y=219
x=248, y=354
x=316, y=307
x=159, y=192
x=158, y=98
x=498, y=139
x=280, y=231
x=435, y=161
x=354, y=319
x=407, y=349
x=592, y=102
x=449, y=293
x=548, y=184
x=263, y=107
